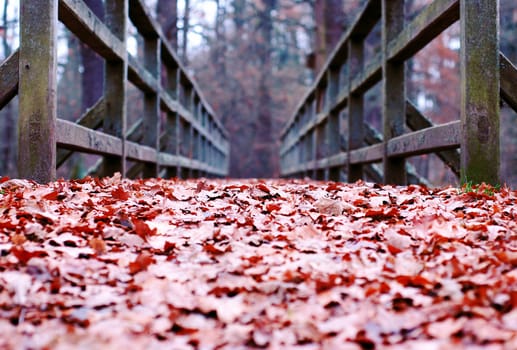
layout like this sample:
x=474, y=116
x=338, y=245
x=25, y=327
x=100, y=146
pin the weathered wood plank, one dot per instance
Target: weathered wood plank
x=371, y=136
x=81, y=21
x=135, y=151
x=373, y=173
x=141, y=77
x=115, y=87
x=508, y=81
x=78, y=138
x=152, y=104
x=93, y=116
x=135, y=171
x=433, y=139
x=417, y=121
x=433, y=20
x=367, y=18
x=172, y=106
x=91, y=119
x=169, y=160
x=135, y=132
x=393, y=91
x=479, y=62
x=369, y=154
x=37, y=91
x=143, y=20
x=333, y=135
x=170, y=58
x=9, y=78
x=337, y=161
x=366, y=79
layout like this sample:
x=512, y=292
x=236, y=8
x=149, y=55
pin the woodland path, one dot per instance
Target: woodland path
x=234, y=264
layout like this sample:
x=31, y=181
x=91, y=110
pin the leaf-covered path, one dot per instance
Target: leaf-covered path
x=228, y=264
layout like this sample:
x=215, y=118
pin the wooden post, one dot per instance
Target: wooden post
x=334, y=135
x=152, y=104
x=321, y=147
x=393, y=90
x=37, y=90
x=355, y=107
x=332, y=128
x=173, y=130
x=480, y=159
x=115, y=87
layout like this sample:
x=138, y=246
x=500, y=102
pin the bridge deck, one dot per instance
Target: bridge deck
x=245, y=263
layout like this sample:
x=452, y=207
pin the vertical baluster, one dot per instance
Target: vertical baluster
x=152, y=104
x=393, y=90
x=37, y=90
x=479, y=60
x=115, y=85
x=355, y=107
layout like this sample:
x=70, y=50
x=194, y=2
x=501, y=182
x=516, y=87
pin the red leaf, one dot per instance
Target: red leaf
x=393, y=250
x=253, y=260
x=211, y=249
x=168, y=247
x=271, y=207
x=141, y=263
x=263, y=188
x=24, y=256
x=52, y=196
x=120, y=194
x=380, y=214
x=142, y=229
x=333, y=186
x=332, y=281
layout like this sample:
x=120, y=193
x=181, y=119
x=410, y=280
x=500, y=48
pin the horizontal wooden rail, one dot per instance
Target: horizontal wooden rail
x=75, y=137
x=192, y=142
x=9, y=79
x=308, y=140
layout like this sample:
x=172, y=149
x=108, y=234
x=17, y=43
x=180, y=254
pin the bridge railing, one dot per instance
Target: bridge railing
x=190, y=142
x=310, y=143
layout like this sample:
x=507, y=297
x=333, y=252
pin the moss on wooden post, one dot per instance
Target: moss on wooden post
x=37, y=90
x=115, y=87
x=480, y=159
x=393, y=90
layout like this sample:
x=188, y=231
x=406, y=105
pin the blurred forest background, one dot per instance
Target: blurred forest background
x=254, y=60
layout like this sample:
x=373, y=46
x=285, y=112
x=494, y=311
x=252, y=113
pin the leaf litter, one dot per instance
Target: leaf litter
x=237, y=264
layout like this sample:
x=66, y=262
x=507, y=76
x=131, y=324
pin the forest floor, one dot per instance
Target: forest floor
x=233, y=264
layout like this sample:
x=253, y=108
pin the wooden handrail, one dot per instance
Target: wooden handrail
x=190, y=123
x=486, y=76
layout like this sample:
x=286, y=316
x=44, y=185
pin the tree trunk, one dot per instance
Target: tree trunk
x=264, y=146
x=167, y=11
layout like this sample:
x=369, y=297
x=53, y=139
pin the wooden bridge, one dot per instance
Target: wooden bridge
x=190, y=142
x=310, y=144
